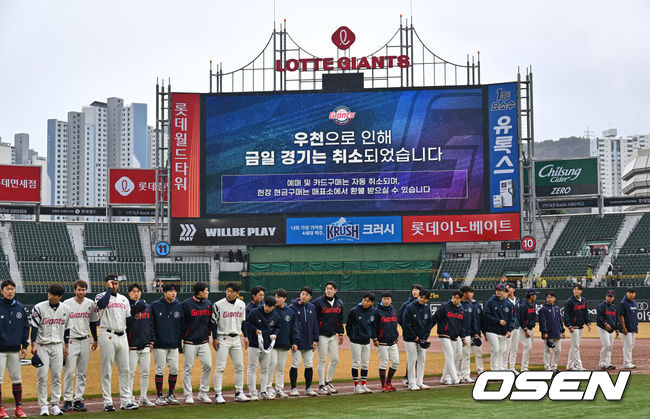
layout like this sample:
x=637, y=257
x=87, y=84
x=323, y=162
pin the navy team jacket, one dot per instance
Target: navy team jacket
x=167, y=323
x=359, y=326
x=606, y=314
x=14, y=326
x=416, y=321
x=478, y=318
x=288, y=333
x=629, y=310
x=468, y=319
x=249, y=308
x=527, y=316
x=197, y=320
x=307, y=323
x=268, y=323
x=496, y=310
x=550, y=321
x=450, y=320
x=402, y=309
x=330, y=316
x=139, y=331
x=386, y=324
x=575, y=312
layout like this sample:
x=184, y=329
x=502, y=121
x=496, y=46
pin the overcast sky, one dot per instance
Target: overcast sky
x=590, y=59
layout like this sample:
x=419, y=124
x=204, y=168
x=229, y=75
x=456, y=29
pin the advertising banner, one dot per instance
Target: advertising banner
x=186, y=155
x=20, y=183
x=558, y=178
x=233, y=231
x=504, y=147
x=132, y=186
x=460, y=228
x=341, y=230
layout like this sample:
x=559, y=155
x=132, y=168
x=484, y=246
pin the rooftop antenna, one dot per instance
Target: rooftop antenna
x=273, y=15
x=411, y=3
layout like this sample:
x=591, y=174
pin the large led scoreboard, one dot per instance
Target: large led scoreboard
x=371, y=166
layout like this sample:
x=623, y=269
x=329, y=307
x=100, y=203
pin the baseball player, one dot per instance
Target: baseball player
x=83, y=321
x=607, y=321
x=228, y=314
x=308, y=337
x=360, y=330
x=415, y=293
x=140, y=337
x=466, y=333
x=330, y=328
x=288, y=339
x=627, y=316
x=512, y=343
x=499, y=323
x=114, y=311
x=167, y=315
x=416, y=327
x=576, y=316
x=387, y=337
x=477, y=350
x=264, y=321
x=257, y=298
x=527, y=316
x=14, y=335
x=49, y=335
x=197, y=327
x=449, y=318
x=550, y=325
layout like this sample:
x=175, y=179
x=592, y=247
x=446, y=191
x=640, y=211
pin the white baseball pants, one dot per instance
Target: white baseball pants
x=257, y=357
x=552, y=355
x=229, y=346
x=607, y=342
x=574, y=361
x=307, y=356
x=52, y=357
x=628, y=345
x=415, y=353
x=387, y=353
x=278, y=361
x=143, y=359
x=360, y=355
x=11, y=360
x=478, y=358
x=463, y=366
x=498, y=350
x=452, y=351
x=513, y=347
x=190, y=353
x=527, y=344
x=115, y=348
x=78, y=357
x=327, y=345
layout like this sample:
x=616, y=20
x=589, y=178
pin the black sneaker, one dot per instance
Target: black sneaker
x=611, y=367
x=67, y=406
x=109, y=408
x=79, y=406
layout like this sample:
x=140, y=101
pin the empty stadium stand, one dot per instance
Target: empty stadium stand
x=639, y=239
x=187, y=273
x=559, y=268
x=37, y=276
x=133, y=271
x=581, y=229
x=35, y=241
x=122, y=239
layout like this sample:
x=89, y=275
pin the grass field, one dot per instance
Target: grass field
x=449, y=402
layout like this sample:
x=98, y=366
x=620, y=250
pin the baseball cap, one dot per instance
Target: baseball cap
x=36, y=361
x=611, y=292
x=169, y=287
x=531, y=291
x=500, y=287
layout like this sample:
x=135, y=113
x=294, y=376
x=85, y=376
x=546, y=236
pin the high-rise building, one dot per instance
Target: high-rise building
x=81, y=150
x=615, y=152
x=21, y=148
x=6, y=151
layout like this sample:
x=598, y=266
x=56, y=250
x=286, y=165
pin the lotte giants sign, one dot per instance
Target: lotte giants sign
x=343, y=38
x=132, y=186
x=20, y=183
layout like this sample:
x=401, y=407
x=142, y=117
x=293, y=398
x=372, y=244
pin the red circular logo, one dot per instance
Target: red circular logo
x=343, y=38
x=528, y=243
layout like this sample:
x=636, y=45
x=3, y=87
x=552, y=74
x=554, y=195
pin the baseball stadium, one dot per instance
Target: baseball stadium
x=389, y=206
